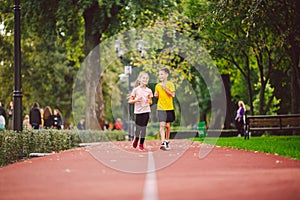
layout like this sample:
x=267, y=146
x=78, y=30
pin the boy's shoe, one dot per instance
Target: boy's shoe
x=141, y=147
x=168, y=145
x=163, y=146
x=135, y=142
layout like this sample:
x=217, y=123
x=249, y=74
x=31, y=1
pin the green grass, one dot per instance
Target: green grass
x=288, y=146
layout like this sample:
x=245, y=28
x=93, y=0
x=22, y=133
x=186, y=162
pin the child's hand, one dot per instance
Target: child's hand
x=139, y=99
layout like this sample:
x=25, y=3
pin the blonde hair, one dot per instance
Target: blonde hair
x=138, y=80
x=241, y=103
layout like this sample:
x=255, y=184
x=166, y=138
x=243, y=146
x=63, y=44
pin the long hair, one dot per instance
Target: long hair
x=138, y=80
x=241, y=103
x=47, y=112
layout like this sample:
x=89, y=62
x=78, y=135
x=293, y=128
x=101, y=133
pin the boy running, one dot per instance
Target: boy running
x=165, y=92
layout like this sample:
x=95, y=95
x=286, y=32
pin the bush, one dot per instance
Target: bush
x=15, y=146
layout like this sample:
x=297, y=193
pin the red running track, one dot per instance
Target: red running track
x=117, y=171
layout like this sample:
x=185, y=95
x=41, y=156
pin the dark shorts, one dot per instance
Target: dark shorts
x=166, y=115
x=142, y=119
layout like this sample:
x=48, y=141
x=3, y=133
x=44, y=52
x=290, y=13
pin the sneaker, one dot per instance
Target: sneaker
x=163, y=146
x=141, y=147
x=135, y=142
x=168, y=145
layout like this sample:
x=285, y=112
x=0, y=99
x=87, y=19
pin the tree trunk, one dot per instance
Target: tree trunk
x=94, y=98
x=230, y=112
x=295, y=78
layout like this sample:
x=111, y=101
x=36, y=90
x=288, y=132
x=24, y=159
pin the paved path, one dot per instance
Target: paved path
x=117, y=171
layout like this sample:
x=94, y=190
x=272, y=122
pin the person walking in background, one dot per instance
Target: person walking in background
x=42, y=118
x=2, y=111
x=26, y=123
x=141, y=97
x=48, y=117
x=240, y=118
x=57, y=119
x=119, y=124
x=2, y=122
x=81, y=124
x=10, y=110
x=35, y=116
x=165, y=92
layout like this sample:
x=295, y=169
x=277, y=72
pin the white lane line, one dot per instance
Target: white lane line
x=150, y=187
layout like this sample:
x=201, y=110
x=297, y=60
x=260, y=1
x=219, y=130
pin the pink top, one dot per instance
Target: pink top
x=143, y=106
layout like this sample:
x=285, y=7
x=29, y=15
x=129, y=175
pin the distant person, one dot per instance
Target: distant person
x=165, y=92
x=48, y=117
x=240, y=118
x=2, y=111
x=2, y=122
x=81, y=124
x=111, y=126
x=10, y=110
x=57, y=119
x=119, y=124
x=141, y=97
x=35, y=116
x=26, y=123
x=42, y=118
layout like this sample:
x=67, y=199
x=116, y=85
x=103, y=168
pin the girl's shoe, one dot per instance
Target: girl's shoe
x=135, y=142
x=141, y=147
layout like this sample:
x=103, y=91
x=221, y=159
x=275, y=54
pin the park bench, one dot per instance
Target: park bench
x=272, y=123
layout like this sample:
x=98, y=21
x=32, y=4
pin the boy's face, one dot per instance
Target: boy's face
x=162, y=76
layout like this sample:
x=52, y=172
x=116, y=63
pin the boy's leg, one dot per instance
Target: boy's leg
x=162, y=135
x=168, y=130
x=162, y=131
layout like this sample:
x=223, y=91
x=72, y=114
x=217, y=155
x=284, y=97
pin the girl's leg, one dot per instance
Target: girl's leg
x=136, y=138
x=143, y=134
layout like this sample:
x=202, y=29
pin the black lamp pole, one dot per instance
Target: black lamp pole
x=17, y=78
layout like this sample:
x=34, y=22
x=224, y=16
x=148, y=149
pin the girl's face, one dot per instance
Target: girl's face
x=144, y=79
x=162, y=76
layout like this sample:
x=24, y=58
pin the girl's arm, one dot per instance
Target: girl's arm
x=149, y=99
x=132, y=100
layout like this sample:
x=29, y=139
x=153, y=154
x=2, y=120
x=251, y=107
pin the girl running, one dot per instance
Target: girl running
x=141, y=97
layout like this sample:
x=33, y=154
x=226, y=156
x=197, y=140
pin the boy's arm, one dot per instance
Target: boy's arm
x=155, y=92
x=172, y=94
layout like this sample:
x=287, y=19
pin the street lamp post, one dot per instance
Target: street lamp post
x=127, y=71
x=17, y=75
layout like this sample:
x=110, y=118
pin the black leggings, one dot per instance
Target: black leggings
x=240, y=126
x=141, y=121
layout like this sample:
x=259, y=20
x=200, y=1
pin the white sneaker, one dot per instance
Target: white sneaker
x=163, y=146
x=167, y=145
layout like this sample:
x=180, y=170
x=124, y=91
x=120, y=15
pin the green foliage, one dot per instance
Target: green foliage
x=282, y=145
x=273, y=106
x=15, y=146
x=88, y=136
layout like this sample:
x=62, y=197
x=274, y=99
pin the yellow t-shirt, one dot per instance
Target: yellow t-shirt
x=165, y=101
